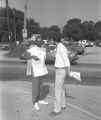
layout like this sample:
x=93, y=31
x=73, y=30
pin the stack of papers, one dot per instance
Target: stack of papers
x=75, y=75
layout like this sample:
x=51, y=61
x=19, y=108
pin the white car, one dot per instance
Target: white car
x=89, y=44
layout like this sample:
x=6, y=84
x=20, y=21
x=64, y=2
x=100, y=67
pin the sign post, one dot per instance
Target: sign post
x=24, y=33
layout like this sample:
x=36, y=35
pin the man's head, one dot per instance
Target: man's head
x=57, y=38
x=62, y=40
x=39, y=42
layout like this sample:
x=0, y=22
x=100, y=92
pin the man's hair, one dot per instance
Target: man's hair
x=58, y=38
x=39, y=37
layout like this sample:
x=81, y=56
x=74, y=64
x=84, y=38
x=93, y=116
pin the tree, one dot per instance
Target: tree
x=3, y=24
x=73, y=29
x=97, y=28
x=55, y=28
x=45, y=33
x=55, y=32
x=88, y=29
x=32, y=27
x=8, y=24
x=16, y=17
x=18, y=21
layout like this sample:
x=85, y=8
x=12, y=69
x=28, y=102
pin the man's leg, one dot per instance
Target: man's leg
x=63, y=102
x=41, y=93
x=59, y=82
x=35, y=91
x=40, y=96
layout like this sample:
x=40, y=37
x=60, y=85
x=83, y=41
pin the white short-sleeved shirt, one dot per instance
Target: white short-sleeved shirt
x=61, y=59
x=39, y=67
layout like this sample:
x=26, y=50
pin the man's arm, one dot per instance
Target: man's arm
x=64, y=56
x=28, y=56
x=34, y=57
x=68, y=70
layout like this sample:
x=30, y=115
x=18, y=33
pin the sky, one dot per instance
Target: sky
x=58, y=12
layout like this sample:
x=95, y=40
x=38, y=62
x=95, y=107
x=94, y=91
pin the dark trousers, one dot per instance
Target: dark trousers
x=37, y=91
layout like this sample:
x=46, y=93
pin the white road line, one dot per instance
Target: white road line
x=80, y=109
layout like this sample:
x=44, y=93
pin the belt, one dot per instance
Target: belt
x=60, y=67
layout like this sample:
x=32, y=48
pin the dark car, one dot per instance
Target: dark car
x=98, y=43
x=80, y=50
x=75, y=47
x=50, y=55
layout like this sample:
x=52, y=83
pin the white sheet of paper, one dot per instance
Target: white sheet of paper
x=75, y=75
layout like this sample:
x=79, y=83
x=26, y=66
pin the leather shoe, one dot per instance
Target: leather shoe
x=63, y=108
x=53, y=114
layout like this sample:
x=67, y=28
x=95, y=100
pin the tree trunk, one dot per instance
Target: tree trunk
x=9, y=30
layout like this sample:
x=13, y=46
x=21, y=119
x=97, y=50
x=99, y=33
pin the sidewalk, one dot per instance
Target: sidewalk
x=83, y=102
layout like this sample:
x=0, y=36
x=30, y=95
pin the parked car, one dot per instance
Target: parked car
x=89, y=44
x=75, y=47
x=98, y=43
x=50, y=55
x=80, y=50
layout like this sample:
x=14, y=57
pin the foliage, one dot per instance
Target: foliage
x=74, y=29
x=78, y=30
x=18, y=22
x=50, y=33
x=45, y=33
x=32, y=27
x=88, y=29
x=55, y=32
x=21, y=49
x=17, y=15
x=97, y=28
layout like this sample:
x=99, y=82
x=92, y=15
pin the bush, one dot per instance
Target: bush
x=21, y=48
x=17, y=51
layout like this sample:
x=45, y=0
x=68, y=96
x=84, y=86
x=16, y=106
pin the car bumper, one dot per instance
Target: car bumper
x=74, y=59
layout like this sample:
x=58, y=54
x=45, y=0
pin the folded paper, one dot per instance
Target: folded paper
x=75, y=75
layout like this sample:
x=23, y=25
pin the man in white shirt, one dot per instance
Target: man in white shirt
x=62, y=66
x=38, y=69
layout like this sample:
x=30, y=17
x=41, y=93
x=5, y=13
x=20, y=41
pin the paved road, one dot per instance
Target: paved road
x=89, y=65
x=90, y=73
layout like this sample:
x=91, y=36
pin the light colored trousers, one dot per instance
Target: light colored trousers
x=60, y=98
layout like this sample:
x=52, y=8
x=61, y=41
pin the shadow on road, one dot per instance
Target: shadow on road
x=45, y=90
